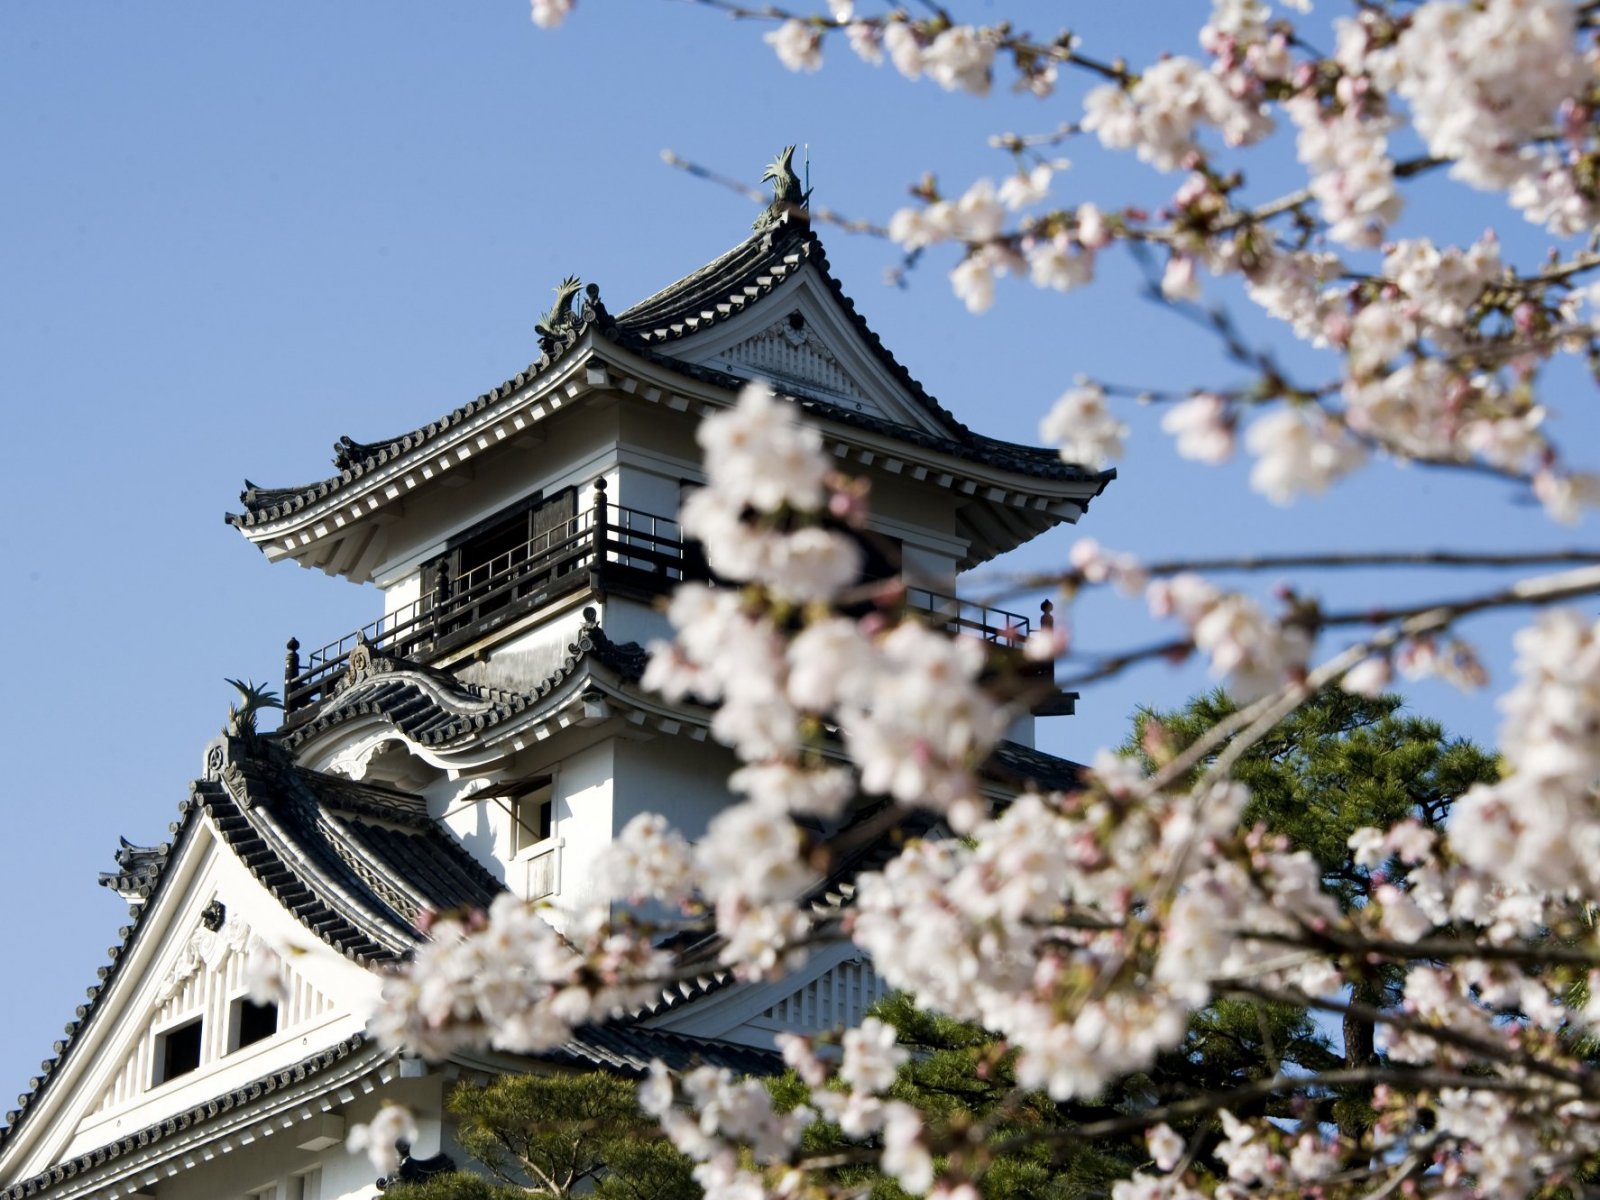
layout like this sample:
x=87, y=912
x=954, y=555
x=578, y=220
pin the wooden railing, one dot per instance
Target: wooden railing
x=622, y=545
x=994, y=625
x=604, y=547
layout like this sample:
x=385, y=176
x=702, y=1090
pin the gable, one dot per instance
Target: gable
x=791, y=354
x=207, y=984
x=803, y=338
x=172, y=971
x=834, y=989
x=838, y=998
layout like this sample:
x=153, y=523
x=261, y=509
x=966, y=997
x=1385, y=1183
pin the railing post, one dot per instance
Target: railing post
x=1047, y=624
x=599, y=522
x=436, y=595
x=291, y=670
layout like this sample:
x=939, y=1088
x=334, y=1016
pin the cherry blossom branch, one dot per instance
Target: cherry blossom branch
x=1408, y=1079
x=1414, y=619
x=1431, y=949
x=1076, y=578
x=1582, y=1078
x=1060, y=50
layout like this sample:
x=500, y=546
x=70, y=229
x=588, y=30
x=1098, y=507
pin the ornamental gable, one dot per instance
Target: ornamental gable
x=795, y=359
x=833, y=990
x=202, y=1013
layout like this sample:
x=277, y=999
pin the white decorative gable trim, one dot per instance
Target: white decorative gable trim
x=838, y=998
x=206, y=983
x=833, y=990
x=791, y=354
x=207, y=947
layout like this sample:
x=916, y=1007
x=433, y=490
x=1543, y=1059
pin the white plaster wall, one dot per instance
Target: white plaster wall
x=123, y=1021
x=1021, y=729
x=273, y=1159
x=925, y=567
x=577, y=447
x=479, y=825
x=403, y=591
x=654, y=441
x=535, y=655
x=626, y=619
x=684, y=780
x=584, y=821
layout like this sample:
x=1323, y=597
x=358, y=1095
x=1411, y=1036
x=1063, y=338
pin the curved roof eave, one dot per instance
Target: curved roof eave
x=435, y=714
x=748, y=272
x=740, y=279
x=296, y=862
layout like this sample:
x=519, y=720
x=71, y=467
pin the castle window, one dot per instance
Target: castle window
x=178, y=1051
x=513, y=555
x=532, y=816
x=249, y=1023
x=306, y=1186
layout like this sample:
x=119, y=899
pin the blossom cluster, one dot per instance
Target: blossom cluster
x=1438, y=350
x=507, y=978
x=1087, y=927
x=740, y=1141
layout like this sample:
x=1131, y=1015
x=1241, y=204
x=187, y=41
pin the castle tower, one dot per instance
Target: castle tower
x=487, y=732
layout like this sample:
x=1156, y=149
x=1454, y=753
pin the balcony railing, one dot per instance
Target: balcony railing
x=603, y=547
x=963, y=617
x=622, y=544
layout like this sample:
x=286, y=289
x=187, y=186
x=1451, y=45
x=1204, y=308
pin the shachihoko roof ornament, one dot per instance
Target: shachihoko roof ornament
x=788, y=197
x=253, y=697
x=558, y=326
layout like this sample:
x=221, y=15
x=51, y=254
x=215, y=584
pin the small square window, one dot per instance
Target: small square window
x=178, y=1051
x=307, y=1186
x=532, y=817
x=250, y=1023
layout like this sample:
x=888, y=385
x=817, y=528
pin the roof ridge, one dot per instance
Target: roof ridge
x=355, y=459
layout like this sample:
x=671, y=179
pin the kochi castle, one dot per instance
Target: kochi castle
x=487, y=733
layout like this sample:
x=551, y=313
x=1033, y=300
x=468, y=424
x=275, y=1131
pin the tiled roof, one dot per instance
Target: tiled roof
x=426, y=715
x=1035, y=462
x=138, y=868
x=1023, y=764
x=629, y=1049
x=723, y=287
x=354, y=459
x=325, y=846
x=450, y=710
x=358, y=885
x=200, y=1114
x=744, y=276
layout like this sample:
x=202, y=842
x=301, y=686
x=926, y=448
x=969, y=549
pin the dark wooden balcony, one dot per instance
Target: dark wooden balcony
x=605, y=549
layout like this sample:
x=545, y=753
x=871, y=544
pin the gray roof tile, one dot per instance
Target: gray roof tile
x=732, y=282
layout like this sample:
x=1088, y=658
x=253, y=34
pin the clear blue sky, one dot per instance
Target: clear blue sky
x=231, y=233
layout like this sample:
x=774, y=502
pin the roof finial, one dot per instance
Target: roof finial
x=557, y=326
x=788, y=197
x=253, y=698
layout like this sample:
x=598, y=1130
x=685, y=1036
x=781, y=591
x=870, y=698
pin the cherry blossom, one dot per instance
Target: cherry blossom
x=1082, y=426
x=381, y=1138
x=548, y=14
x=1085, y=927
x=798, y=47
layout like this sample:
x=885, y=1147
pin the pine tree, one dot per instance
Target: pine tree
x=557, y=1136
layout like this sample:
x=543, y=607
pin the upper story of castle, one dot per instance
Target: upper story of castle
x=492, y=529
